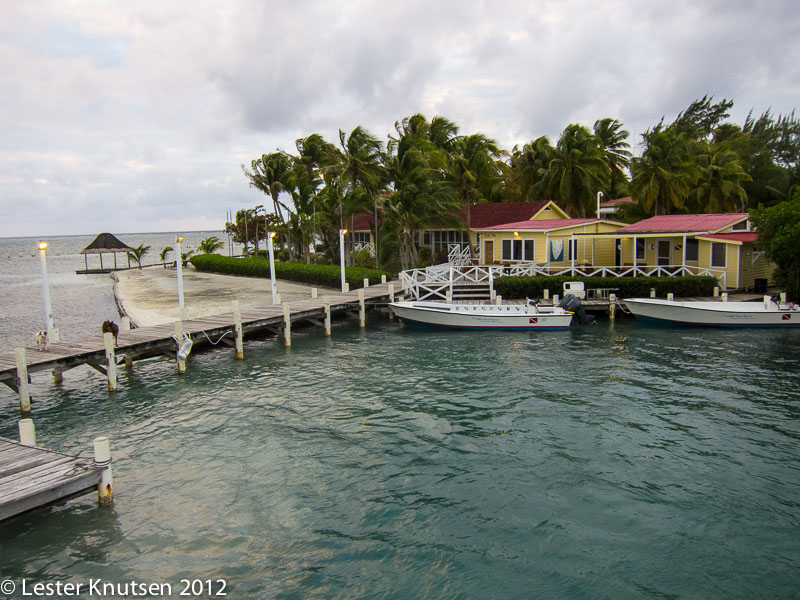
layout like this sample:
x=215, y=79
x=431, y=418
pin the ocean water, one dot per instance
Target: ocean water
x=607, y=461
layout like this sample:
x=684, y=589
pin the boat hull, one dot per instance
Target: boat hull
x=713, y=314
x=479, y=317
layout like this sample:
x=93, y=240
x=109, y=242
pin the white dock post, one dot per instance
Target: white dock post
x=391, y=299
x=555, y=299
x=670, y=296
x=652, y=292
x=546, y=295
x=102, y=459
x=27, y=432
x=237, y=330
x=314, y=293
x=179, y=336
x=111, y=361
x=362, y=310
x=724, y=296
x=287, y=325
x=448, y=297
x=782, y=296
x=366, y=282
x=498, y=299
x=326, y=304
x=612, y=306
x=383, y=278
x=346, y=286
x=126, y=324
x=22, y=380
x=277, y=300
x=716, y=291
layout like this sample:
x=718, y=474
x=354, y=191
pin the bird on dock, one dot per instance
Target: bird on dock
x=110, y=327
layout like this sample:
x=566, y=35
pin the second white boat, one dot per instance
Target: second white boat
x=715, y=314
x=515, y=317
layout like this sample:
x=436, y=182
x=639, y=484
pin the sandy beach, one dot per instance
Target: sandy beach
x=150, y=296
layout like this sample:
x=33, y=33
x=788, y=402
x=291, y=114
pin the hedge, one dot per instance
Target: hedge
x=627, y=287
x=321, y=275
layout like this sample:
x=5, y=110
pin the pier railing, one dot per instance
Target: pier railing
x=437, y=282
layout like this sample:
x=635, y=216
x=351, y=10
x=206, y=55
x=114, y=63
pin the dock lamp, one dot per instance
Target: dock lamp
x=179, y=267
x=52, y=332
x=342, y=233
x=271, y=235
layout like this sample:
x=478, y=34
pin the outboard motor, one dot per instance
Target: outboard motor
x=571, y=303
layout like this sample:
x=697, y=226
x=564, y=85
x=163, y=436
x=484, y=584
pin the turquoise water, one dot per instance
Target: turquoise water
x=608, y=461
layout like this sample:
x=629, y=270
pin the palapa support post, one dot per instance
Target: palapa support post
x=102, y=459
x=612, y=306
x=22, y=380
x=179, y=336
x=126, y=324
x=391, y=299
x=326, y=305
x=314, y=293
x=362, y=310
x=111, y=361
x=27, y=432
x=237, y=330
x=287, y=325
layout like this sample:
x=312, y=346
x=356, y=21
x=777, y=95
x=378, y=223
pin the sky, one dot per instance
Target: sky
x=138, y=116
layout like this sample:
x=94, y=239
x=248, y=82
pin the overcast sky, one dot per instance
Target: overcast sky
x=137, y=116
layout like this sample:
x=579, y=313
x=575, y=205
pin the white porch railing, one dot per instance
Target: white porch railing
x=436, y=282
x=459, y=255
x=364, y=246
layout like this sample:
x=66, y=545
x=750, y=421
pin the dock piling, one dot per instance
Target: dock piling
x=391, y=299
x=326, y=305
x=555, y=299
x=126, y=324
x=362, y=309
x=366, y=282
x=383, y=278
x=612, y=306
x=782, y=297
x=58, y=376
x=670, y=296
x=314, y=293
x=237, y=329
x=179, y=337
x=498, y=299
x=724, y=296
x=716, y=291
x=546, y=294
x=102, y=459
x=346, y=286
x=27, y=432
x=111, y=361
x=652, y=292
x=287, y=325
x=22, y=380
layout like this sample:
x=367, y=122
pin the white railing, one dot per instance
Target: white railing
x=364, y=246
x=437, y=282
x=459, y=256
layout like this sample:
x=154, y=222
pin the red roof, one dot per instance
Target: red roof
x=615, y=202
x=708, y=222
x=744, y=236
x=362, y=222
x=542, y=225
x=489, y=215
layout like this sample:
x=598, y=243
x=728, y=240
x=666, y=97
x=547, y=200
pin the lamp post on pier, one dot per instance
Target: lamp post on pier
x=342, y=233
x=52, y=332
x=179, y=267
x=271, y=235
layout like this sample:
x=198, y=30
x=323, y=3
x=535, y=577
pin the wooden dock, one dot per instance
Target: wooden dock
x=147, y=342
x=32, y=477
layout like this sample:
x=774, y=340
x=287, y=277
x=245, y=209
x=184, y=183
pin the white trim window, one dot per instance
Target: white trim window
x=518, y=250
x=719, y=254
x=692, y=249
x=641, y=248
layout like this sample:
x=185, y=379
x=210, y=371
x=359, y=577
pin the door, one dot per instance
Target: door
x=618, y=252
x=664, y=252
x=488, y=252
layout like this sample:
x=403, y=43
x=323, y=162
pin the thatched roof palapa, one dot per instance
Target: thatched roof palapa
x=105, y=242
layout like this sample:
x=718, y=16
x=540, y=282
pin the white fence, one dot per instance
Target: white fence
x=437, y=282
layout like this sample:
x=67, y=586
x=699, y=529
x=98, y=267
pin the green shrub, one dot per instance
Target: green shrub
x=362, y=258
x=317, y=275
x=627, y=287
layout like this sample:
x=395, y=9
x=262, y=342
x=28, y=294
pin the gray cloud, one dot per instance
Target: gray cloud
x=138, y=116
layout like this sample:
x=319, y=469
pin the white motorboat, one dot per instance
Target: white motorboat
x=715, y=314
x=520, y=317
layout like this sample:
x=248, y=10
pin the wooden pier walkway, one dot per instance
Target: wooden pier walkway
x=31, y=477
x=146, y=342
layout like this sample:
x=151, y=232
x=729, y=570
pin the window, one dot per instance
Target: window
x=740, y=226
x=518, y=250
x=641, y=248
x=718, y=254
x=572, y=249
x=692, y=250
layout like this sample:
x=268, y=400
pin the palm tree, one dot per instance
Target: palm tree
x=577, y=171
x=612, y=139
x=718, y=188
x=528, y=167
x=210, y=245
x=270, y=174
x=163, y=256
x=663, y=175
x=138, y=253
